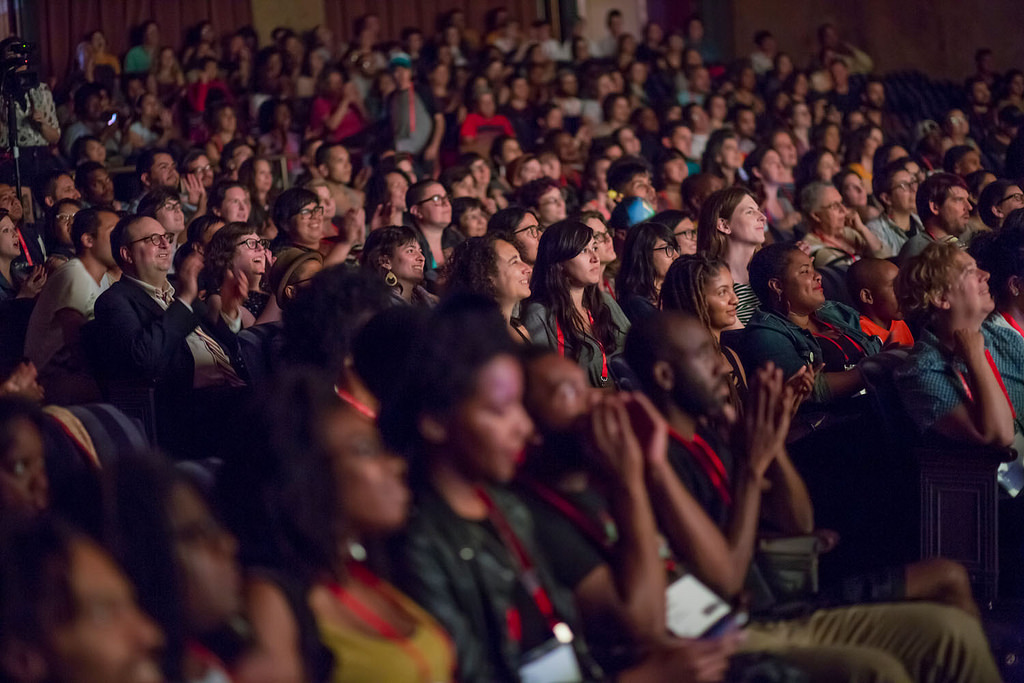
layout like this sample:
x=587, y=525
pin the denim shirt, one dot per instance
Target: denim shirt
x=771, y=337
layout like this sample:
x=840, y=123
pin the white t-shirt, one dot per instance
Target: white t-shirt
x=72, y=287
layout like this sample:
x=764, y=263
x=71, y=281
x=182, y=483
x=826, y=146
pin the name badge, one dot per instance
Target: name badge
x=692, y=608
x=553, y=662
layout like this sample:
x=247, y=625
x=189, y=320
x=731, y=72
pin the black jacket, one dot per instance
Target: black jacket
x=133, y=338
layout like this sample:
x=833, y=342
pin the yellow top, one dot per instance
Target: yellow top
x=360, y=658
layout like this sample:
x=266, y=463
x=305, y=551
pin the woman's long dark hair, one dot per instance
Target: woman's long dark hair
x=561, y=242
x=636, y=276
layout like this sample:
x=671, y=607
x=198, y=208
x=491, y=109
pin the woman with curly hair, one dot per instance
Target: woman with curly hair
x=395, y=255
x=567, y=310
x=236, y=254
x=492, y=267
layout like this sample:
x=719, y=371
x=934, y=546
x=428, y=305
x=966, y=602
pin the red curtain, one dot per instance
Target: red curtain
x=64, y=23
x=397, y=14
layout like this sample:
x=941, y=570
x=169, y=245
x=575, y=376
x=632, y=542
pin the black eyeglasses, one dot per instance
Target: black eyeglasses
x=1016, y=196
x=669, y=249
x=254, y=243
x=688, y=234
x=437, y=199
x=534, y=231
x=156, y=239
x=308, y=213
x=171, y=206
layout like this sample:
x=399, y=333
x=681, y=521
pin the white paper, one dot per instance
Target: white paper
x=559, y=665
x=692, y=608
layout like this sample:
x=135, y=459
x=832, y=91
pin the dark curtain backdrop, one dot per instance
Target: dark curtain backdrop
x=64, y=23
x=398, y=14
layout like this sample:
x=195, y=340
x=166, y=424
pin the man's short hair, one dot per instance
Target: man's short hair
x=220, y=190
x=323, y=152
x=154, y=199
x=530, y=193
x=289, y=203
x=624, y=169
x=453, y=175
x=144, y=164
x=119, y=235
x=84, y=170
x=86, y=222
x=953, y=156
x=936, y=189
x=881, y=182
x=761, y=36
x=417, y=192
x=189, y=157
x=47, y=184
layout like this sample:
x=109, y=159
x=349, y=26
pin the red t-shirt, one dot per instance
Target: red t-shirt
x=897, y=332
x=475, y=124
x=352, y=123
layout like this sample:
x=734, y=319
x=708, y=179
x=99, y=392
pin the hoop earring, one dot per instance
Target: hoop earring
x=391, y=280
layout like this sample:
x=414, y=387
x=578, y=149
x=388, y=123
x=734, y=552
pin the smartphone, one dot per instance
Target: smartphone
x=733, y=621
x=113, y=119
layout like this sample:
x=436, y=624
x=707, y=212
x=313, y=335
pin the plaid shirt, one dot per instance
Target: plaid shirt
x=931, y=383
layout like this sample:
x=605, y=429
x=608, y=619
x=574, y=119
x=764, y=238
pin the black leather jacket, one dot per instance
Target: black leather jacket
x=444, y=563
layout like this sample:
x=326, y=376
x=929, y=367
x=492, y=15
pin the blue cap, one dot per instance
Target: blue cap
x=629, y=212
x=400, y=59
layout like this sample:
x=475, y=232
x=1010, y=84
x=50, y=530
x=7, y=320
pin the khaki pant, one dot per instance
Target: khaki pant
x=889, y=643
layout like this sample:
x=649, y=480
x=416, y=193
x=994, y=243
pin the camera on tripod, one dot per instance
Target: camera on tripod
x=14, y=55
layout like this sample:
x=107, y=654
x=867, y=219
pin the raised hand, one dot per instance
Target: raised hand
x=22, y=382
x=233, y=293
x=188, y=278
x=650, y=427
x=767, y=418
x=616, y=443
x=969, y=344
x=32, y=285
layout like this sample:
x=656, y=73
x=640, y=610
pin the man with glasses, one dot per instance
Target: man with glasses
x=896, y=188
x=944, y=206
x=150, y=332
x=431, y=210
x=998, y=200
x=164, y=204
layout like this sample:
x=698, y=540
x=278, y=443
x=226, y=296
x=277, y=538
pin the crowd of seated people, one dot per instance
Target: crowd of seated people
x=481, y=356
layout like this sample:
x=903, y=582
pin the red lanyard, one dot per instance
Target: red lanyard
x=561, y=346
x=1012, y=323
x=826, y=239
x=709, y=461
x=608, y=287
x=839, y=346
x=361, y=574
x=999, y=379
x=412, y=109
x=527, y=571
x=361, y=407
x=24, y=248
x=603, y=537
x=211, y=661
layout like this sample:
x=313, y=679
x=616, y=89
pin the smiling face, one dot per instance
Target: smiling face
x=721, y=300
x=551, y=207
x=236, y=205
x=800, y=286
x=747, y=223
x=407, y=263
x=252, y=262
x=143, y=259
x=512, y=281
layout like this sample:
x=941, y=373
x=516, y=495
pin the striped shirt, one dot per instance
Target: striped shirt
x=748, y=302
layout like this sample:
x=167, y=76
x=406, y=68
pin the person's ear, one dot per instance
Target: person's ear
x=866, y=297
x=48, y=201
x=384, y=261
x=432, y=430
x=775, y=287
x=144, y=178
x=933, y=208
x=289, y=292
x=997, y=212
x=88, y=240
x=1015, y=284
x=126, y=255
x=664, y=376
x=723, y=226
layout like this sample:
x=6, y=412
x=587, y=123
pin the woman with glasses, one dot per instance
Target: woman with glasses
x=299, y=217
x=236, y=256
x=567, y=310
x=648, y=253
x=545, y=198
x=395, y=255
x=57, y=234
x=519, y=226
x=683, y=226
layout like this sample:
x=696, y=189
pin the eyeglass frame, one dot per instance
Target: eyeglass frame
x=1019, y=196
x=260, y=242
x=437, y=199
x=309, y=213
x=166, y=237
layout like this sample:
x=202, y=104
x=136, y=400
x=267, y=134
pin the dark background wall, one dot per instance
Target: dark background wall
x=938, y=37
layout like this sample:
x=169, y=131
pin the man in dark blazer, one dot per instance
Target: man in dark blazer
x=147, y=331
